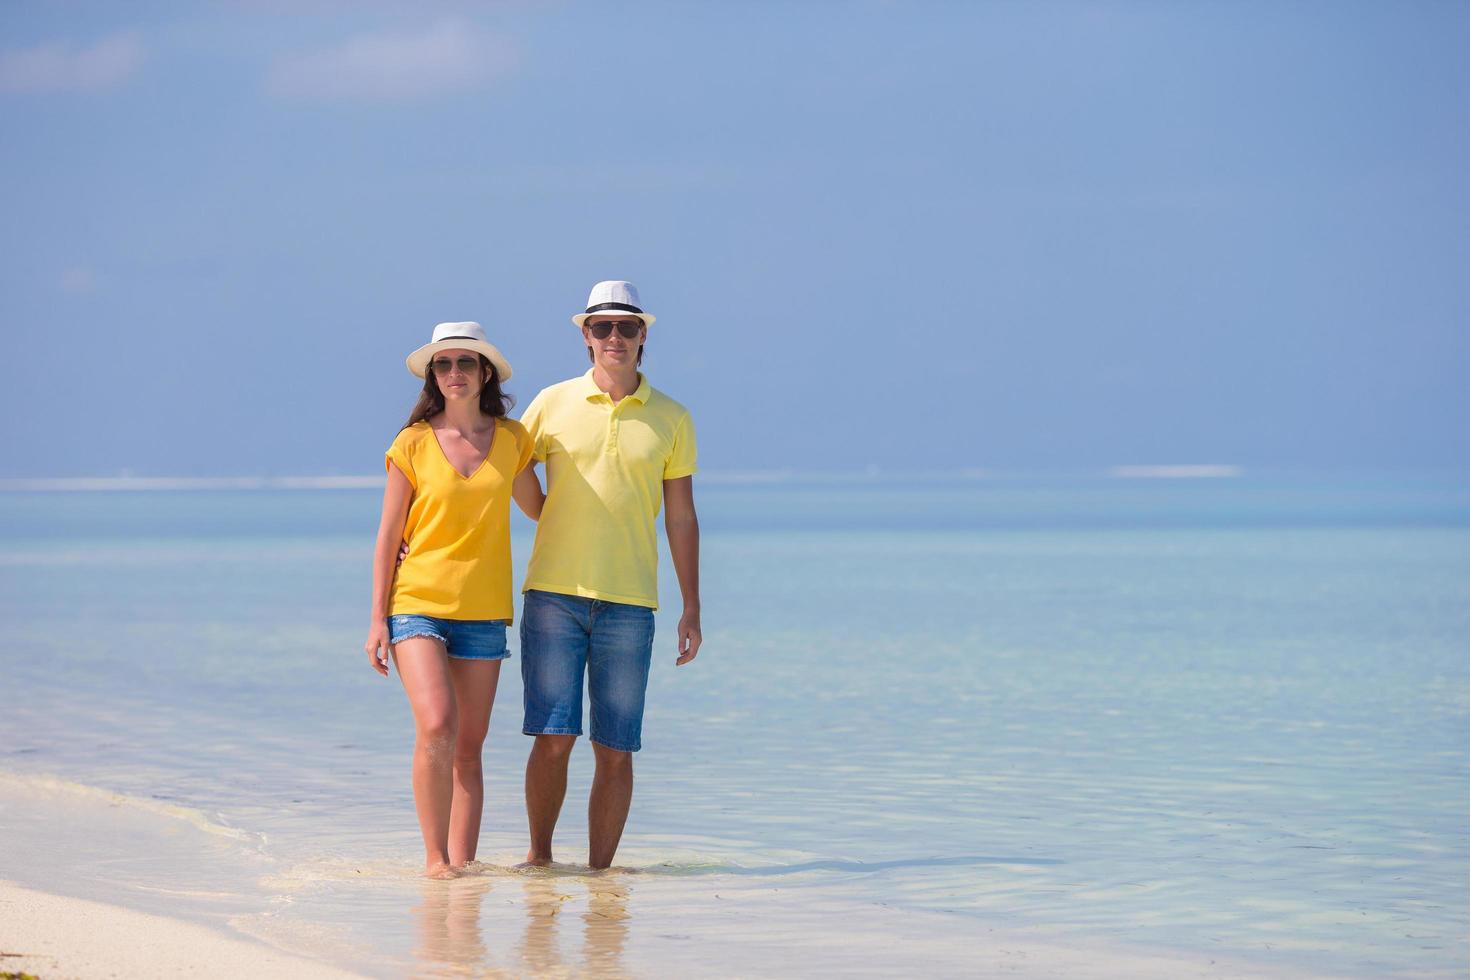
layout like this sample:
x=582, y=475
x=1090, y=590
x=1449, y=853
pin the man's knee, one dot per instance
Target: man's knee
x=555, y=747
x=611, y=758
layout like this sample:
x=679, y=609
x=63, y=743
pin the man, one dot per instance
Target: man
x=615, y=449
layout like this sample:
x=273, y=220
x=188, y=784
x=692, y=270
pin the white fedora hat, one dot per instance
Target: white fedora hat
x=465, y=335
x=611, y=297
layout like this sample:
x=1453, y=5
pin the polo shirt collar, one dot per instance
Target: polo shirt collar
x=591, y=392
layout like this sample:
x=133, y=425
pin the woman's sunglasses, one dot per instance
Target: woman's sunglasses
x=628, y=328
x=467, y=364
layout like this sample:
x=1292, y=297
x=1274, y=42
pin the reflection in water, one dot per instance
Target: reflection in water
x=450, y=939
x=606, y=922
x=604, y=933
x=451, y=930
x=540, y=955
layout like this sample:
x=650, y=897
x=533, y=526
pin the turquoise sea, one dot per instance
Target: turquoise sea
x=940, y=725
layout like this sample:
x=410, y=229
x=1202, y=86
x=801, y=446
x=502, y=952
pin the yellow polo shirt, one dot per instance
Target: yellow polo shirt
x=458, y=527
x=605, y=470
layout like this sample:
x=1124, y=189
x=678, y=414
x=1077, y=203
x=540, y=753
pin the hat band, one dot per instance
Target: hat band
x=625, y=307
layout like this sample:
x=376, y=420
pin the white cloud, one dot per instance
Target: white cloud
x=450, y=56
x=65, y=67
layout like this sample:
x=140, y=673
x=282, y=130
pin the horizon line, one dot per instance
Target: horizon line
x=870, y=474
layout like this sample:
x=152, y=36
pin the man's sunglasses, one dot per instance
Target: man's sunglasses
x=467, y=364
x=628, y=328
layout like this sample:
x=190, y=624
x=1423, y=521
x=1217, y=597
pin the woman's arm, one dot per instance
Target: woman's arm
x=528, y=494
x=396, y=497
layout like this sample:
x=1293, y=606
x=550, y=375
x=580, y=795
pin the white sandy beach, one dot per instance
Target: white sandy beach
x=53, y=937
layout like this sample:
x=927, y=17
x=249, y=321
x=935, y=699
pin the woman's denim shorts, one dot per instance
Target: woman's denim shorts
x=463, y=639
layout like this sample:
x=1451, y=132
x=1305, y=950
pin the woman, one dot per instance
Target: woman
x=442, y=619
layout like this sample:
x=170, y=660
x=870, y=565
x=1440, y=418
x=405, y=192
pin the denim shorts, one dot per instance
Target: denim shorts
x=463, y=639
x=566, y=636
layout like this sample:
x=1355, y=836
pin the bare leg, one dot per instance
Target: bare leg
x=607, y=809
x=423, y=667
x=546, y=787
x=474, y=693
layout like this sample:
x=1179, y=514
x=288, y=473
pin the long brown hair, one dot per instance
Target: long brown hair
x=493, y=401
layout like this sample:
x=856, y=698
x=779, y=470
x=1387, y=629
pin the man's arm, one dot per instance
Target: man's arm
x=682, y=525
x=527, y=492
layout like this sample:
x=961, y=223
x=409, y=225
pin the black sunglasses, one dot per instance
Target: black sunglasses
x=467, y=364
x=628, y=328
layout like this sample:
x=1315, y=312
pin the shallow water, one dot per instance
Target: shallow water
x=1223, y=718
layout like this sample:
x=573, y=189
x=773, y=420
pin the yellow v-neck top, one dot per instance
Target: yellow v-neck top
x=458, y=527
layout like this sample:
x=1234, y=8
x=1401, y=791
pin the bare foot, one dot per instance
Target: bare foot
x=532, y=861
x=442, y=872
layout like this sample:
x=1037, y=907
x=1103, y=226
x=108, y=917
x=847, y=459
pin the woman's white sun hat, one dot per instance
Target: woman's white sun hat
x=465, y=335
x=612, y=297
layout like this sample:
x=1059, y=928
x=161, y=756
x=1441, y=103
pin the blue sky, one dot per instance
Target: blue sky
x=921, y=236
